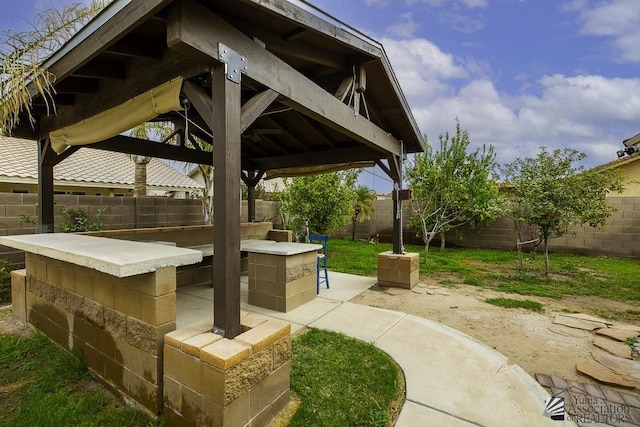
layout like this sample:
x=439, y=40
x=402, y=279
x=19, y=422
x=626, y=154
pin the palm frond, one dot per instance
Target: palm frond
x=23, y=53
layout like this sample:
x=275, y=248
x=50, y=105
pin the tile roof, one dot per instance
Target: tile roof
x=19, y=159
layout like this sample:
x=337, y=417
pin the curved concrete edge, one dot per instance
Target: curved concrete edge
x=458, y=376
x=493, y=356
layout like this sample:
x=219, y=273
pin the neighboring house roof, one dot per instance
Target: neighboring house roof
x=619, y=162
x=87, y=167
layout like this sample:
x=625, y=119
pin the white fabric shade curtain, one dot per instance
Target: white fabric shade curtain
x=123, y=117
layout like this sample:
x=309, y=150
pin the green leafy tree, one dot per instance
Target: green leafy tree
x=452, y=188
x=320, y=203
x=363, y=208
x=22, y=54
x=553, y=195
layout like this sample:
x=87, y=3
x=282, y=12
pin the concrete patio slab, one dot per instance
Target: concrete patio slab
x=359, y=321
x=347, y=286
x=192, y=309
x=452, y=373
x=414, y=414
x=303, y=315
x=201, y=290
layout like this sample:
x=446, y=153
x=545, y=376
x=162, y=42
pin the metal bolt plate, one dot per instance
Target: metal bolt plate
x=236, y=64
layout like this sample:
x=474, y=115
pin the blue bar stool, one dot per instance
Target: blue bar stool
x=322, y=274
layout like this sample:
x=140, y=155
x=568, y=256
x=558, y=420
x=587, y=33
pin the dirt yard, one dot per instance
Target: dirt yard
x=521, y=335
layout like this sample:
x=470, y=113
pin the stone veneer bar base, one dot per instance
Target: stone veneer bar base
x=280, y=282
x=398, y=270
x=214, y=381
x=118, y=324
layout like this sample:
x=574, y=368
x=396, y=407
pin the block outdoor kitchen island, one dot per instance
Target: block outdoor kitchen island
x=282, y=275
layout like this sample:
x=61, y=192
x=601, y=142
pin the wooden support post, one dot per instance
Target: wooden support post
x=251, y=180
x=251, y=198
x=46, y=161
x=395, y=165
x=226, y=234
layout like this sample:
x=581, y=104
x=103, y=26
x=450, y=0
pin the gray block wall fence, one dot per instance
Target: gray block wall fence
x=620, y=236
x=119, y=213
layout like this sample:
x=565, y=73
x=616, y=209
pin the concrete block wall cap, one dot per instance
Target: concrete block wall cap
x=119, y=258
x=279, y=248
x=194, y=344
x=264, y=334
x=225, y=353
x=177, y=337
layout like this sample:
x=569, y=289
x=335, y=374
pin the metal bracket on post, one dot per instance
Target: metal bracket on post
x=235, y=63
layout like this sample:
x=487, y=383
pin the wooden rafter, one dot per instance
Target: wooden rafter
x=252, y=109
x=326, y=157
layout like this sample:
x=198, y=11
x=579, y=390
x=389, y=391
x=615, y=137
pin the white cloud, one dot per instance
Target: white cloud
x=405, y=27
x=377, y=3
x=574, y=5
x=591, y=113
x=462, y=22
x=618, y=20
x=471, y=4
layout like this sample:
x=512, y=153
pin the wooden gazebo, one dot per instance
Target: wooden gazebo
x=274, y=85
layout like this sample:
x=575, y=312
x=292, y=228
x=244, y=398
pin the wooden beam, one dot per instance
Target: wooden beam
x=344, y=88
x=66, y=154
x=193, y=29
x=252, y=109
x=311, y=21
x=328, y=157
x=136, y=47
x=200, y=100
x=101, y=70
x=276, y=43
x=283, y=127
x=395, y=168
x=226, y=98
x=77, y=85
x=319, y=132
x=59, y=99
x=143, y=147
x=384, y=168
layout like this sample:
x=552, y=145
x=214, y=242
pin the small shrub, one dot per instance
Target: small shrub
x=5, y=281
x=76, y=220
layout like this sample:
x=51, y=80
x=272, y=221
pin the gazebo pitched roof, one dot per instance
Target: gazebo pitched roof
x=125, y=51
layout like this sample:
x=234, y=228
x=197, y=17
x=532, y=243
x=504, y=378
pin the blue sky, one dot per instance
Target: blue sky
x=519, y=74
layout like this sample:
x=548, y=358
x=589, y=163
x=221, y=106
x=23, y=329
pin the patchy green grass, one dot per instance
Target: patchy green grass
x=516, y=303
x=606, y=277
x=342, y=381
x=43, y=385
